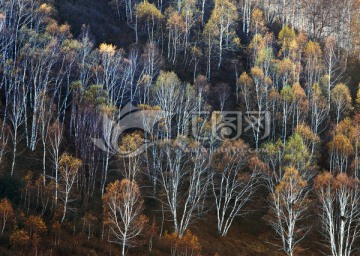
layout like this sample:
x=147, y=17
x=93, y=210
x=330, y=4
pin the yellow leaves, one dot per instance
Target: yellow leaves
x=35, y=225
x=257, y=42
x=45, y=9
x=196, y=51
x=342, y=90
x=188, y=242
x=306, y=133
x=107, y=49
x=274, y=94
x=293, y=46
x=122, y=207
x=313, y=49
x=340, y=182
x=296, y=153
x=341, y=95
x=120, y=190
x=69, y=164
x=223, y=15
x=300, y=97
x=70, y=45
x=286, y=37
x=53, y=28
x=256, y=164
x=6, y=208
x=257, y=15
x=285, y=66
x=264, y=55
x=131, y=142
x=301, y=39
x=323, y=180
x=148, y=11
x=111, y=189
x=176, y=22
x=211, y=30
x=167, y=79
x=108, y=110
x=317, y=93
x=257, y=72
x=258, y=23
x=148, y=107
x=236, y=41
x=272, y=148
x=299, y=93
x=343, y=180
x=227, y=154
x=245, y=80
x=341, y=101
x=291, y=180
x=64, y=29
x=19, y=238
x=191, y=240
x=347, y=128
x=189, y=5
x=225, y=7
x=342, y=144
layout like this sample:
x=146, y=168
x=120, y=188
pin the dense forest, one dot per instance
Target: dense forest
x=187, y=127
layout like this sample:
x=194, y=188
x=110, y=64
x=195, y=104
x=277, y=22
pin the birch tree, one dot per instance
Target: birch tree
x=183, y=179
x=232, y=186
x=286, y=97
x=17, y=118
x=45, y=116
x=318, y=109
x=149, y=17
x=176, y=30
x=288, y=205
x=339, y=198
x=129, y=9
x=68, y=170
x=341, y=101
x=6, y=213
x=220, y=28
x=340, y=149
x=4, y=138
x=55, y=139
x=333, y=67
x=313, y=66
x=123, y=206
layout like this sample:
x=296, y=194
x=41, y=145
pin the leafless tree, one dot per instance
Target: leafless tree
x=340, y=211
x=232, y=187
